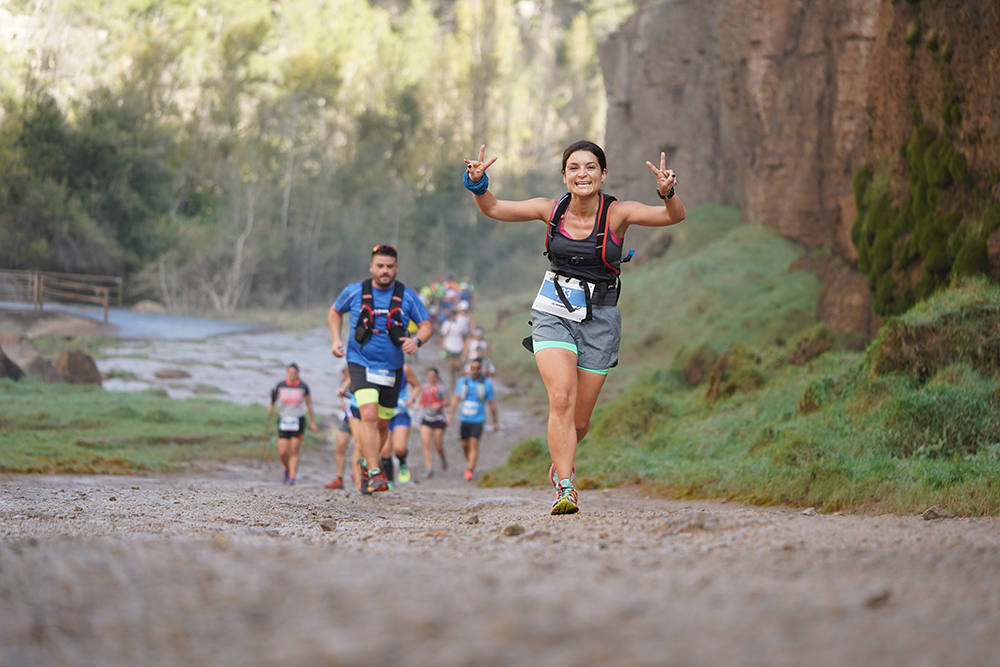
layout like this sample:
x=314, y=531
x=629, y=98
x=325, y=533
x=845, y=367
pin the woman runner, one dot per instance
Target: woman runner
x=576, y=326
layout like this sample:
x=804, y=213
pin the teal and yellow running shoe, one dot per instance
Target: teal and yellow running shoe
x=404, y=474
x=567, y=501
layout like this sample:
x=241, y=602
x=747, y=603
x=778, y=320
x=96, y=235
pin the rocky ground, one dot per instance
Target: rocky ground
x=221, y=564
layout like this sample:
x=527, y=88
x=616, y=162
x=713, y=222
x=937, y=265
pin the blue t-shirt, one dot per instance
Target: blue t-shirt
x=473, y=395
x=378, y=352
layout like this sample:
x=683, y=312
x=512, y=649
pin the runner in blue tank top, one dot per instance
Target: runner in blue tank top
x=473, y=393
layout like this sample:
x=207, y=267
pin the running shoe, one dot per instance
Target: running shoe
x=429, y=473
x=404, y=474
x=567, y=501
x=284, y=477
x=554, y=478
x=291, y=481
x=444, y=464
x=336, y=483
x=469, y=474
x=362, y=471
x=377, y=481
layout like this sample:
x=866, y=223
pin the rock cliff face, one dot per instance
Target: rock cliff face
x=770, y=105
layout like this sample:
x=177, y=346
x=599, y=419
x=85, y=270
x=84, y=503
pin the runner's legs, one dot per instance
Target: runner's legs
x=340, y=449
x=557, y=367
x=588, y=388
x=471, y=447
x=425, y=440
x=292, y=455
x=284, y=447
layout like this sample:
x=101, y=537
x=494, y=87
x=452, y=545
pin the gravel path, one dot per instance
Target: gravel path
x=227, y=566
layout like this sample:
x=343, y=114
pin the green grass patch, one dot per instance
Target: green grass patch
x=83, y=429
x=829, y=432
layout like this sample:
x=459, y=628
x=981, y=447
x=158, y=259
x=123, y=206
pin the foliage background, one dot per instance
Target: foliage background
x=225, y=153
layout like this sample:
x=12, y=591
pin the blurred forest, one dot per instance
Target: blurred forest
x=231, y=153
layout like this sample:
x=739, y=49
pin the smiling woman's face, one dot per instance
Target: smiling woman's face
x=583, y=174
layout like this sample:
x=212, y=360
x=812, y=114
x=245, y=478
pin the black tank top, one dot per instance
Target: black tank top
x=579, y=258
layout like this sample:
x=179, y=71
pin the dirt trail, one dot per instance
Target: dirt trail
x=228, y=566
x=223, y=565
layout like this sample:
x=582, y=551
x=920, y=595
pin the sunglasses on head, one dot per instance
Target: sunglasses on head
x=384, y=249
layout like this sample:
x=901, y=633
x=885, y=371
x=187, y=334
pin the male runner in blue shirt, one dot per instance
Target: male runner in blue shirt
x=380, y=310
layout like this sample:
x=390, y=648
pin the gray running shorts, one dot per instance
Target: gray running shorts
x=595, y=343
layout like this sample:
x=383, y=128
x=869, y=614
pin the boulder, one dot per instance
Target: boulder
x=21, y=353
x=76, y=367
x=9, y=369
x=44, y=370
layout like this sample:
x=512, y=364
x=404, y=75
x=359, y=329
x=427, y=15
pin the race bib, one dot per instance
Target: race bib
x=380, y=377
x=288, y=424
x=575, y=291
x=470, y=408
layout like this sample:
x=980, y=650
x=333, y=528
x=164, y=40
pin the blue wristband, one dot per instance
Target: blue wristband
x=476, y=187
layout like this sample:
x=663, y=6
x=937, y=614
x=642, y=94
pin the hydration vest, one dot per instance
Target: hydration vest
x=599, y=259
x=395, y=326
x=480, y=389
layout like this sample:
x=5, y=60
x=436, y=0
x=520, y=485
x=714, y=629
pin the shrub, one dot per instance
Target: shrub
x=941, y=421
x=961, y=324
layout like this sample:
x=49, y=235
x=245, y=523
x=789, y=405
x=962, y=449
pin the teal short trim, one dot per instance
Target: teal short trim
x=593, y=370
x=545, y=344
x=595, y=342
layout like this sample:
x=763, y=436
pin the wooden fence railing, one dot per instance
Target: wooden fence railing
x=41, y=286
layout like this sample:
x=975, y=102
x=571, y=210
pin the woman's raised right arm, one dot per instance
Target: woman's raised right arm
x=524, y=210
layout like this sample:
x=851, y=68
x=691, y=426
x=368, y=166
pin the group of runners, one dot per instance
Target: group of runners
x=575, y=332
x=386, y=320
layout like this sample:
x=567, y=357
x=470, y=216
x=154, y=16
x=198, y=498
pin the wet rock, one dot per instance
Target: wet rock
x=474, y=519
x=936, y=512
x=9, y=369
x=171, y=374
x=77, y=367
x=809, y=511
x=513, y=530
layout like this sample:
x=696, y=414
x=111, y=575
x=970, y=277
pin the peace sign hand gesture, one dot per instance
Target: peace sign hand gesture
x=666, y=179
x=477, y=168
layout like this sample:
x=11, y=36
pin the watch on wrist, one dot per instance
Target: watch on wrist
x=419, y=342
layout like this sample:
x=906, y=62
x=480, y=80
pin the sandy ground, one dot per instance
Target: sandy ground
x=221, y=564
